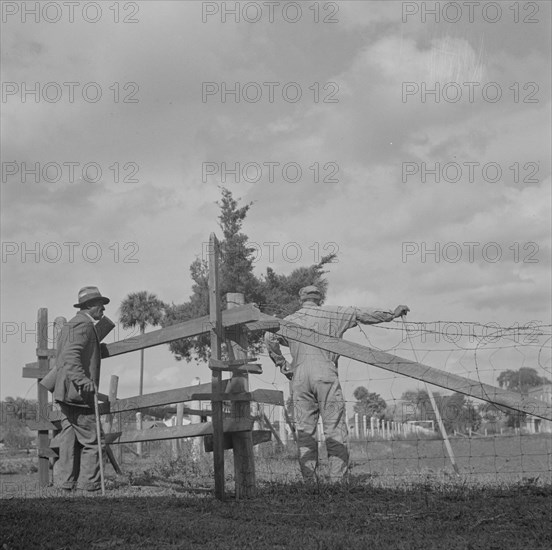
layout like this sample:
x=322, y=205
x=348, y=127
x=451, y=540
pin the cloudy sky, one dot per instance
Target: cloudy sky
x=121, y=120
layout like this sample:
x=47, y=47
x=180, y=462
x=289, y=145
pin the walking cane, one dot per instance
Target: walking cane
x=99, y=434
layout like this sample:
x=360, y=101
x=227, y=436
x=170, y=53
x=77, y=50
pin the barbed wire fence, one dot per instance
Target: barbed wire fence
x=402, y=442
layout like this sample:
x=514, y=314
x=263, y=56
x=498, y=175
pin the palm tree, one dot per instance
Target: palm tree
x=141, y=308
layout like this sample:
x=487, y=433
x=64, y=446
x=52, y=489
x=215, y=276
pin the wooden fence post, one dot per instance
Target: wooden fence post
x=282, y=425
x=179, y=422
x=58, y=325
x=242, y=442
x=139, y=426
x=42, y=412
x=113, y=386
x=215, y=318
x=197, y=443
x=112, y=396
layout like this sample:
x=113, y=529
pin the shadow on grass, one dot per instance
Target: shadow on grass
x=356, y=514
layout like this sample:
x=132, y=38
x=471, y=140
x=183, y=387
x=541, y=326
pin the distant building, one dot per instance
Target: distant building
x=534, y=424
x=172, y=421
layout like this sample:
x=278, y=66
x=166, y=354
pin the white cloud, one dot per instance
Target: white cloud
x=368, y=134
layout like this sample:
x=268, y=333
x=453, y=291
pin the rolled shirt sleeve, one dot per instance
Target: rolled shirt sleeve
x=372, y=316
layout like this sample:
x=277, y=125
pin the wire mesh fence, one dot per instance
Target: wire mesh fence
x=393, y=427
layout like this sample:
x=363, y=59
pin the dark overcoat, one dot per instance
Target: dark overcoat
x=78, y=360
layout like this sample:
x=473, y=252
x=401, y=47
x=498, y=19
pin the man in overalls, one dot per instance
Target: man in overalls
x=315, y=383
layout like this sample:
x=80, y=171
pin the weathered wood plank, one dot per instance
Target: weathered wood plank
x=261, y=436
x=42, y=424
x=217, y=336
x=241, y=365
x=272, y=397
x=217, y=364
x=197, y=412
x=412, y=369
x=257, y=436
x=242, y=444
x=113, y=388
x=42, y=395
x=157, y=399
x=271, y=324
x=218, y=397
x=250, y=368
x=187, y=329
x=31, y=370
x=177, y=432
x=106, y=441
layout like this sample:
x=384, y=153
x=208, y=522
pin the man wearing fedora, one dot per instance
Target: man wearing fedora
x=314, y=378
x=77, y=378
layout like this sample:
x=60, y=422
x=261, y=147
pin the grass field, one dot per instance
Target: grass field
x=397, y=498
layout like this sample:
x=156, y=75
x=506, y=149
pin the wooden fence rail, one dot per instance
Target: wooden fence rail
x=235, y=431
x=405, y=367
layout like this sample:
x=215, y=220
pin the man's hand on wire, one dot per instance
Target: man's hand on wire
x=400, y=311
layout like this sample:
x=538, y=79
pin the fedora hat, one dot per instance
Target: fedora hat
x=89, y=293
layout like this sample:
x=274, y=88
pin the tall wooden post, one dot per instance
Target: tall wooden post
x=215, y=318
x=179, y=422
x=282, y=425
x=197, y=442
x=139, y=423
x=113, y=387
x=42, y=412
x=242, y=442
x=58, y=325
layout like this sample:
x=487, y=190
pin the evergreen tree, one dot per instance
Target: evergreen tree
x=273, y=293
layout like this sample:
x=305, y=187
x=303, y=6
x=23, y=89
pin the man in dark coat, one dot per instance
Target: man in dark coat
x=77, y=378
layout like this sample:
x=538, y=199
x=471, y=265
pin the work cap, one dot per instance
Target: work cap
x=89, y=293
x=309, y=291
